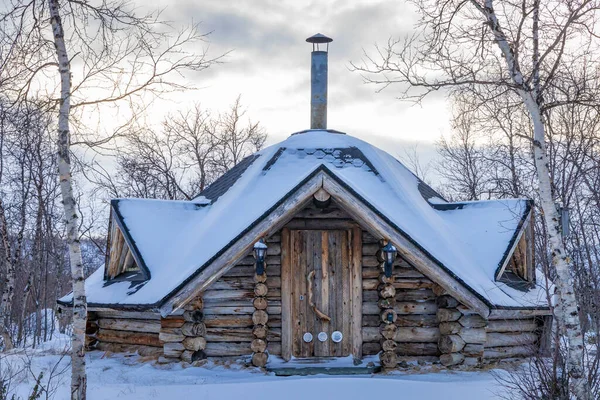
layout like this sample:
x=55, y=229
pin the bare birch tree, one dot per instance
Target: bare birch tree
x=524, y=48
x=177, y=162
x=102, y=53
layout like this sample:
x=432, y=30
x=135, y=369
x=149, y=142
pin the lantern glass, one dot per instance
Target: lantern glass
x=389, y=253
x=260, y=250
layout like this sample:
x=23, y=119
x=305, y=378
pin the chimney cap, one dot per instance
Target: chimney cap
x=319, y=38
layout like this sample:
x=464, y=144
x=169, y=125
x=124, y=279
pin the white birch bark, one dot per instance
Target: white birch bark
x=78, y=375
x=9, y=281
x=566, y=311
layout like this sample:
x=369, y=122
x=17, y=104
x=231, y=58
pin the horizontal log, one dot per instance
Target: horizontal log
x=370, y=249
x=274, y=348
x=220, y=296
x=224, y=349
x=239, y=335
x=150, y=351
x=399, y=283
x=331, y=223
x=466, y=310
x=472, y=321
x=274, y=238
x=274, y=249
x=128, y=337
x=515, y=325
x=322, y=214
x=447, y=301
x=173, y=349
x=420, y=359
x=244, y=303
x=240, y=270
x=404, y=335
x=448, y=314
x=403, y=308
x=243, y=283
x=425, y=307
x=495, y=339
x=449, y=328
x=473, y=335
x=128, y=315
x=473, y=350
x=417, y=349
x=171, y=336
x=371, y=348
x=448, y=360
x=133, y=325
x=271, y=310
x=508, y=352
x=419, y=320
x=371, y=262
x=517, y=314
x=401, y=295
x=369, y=238
x=172, y=322
x=423, y=320
x=411, y=284
x=415, y=295
x=237, y=321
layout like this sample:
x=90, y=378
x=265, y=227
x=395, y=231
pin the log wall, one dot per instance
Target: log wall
x=416, y=330
x=513, y=336
x=124, y=331
x=230, y=314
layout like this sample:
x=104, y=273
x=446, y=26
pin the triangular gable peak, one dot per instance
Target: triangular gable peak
x=123, y=261
x=322, y=180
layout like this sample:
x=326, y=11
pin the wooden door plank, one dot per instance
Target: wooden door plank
x=323, y=304
x=345, y=295
x=313, y=259
x=334, y=288
x=304, y=312
x=286, y=290
x=357, y=294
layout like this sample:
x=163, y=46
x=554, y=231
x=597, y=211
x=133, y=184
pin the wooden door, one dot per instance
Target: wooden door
x=320, y=296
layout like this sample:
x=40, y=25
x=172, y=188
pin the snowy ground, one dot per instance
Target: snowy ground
x=120, y=377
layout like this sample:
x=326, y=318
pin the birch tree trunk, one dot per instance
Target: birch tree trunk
x=9, y=281
x=566, y=311
x=78, y=375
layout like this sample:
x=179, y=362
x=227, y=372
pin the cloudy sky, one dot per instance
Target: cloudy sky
x=269, y=65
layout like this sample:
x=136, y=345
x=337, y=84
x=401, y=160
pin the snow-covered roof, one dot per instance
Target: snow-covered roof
x=178, y=238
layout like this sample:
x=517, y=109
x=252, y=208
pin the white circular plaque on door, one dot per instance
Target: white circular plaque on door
x=307, y=337
x=337, y=336
x=322, y=336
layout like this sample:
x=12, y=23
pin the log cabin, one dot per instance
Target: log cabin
x=319, y=247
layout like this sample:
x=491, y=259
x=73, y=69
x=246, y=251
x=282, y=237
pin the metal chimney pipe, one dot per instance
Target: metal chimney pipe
x=318, y=81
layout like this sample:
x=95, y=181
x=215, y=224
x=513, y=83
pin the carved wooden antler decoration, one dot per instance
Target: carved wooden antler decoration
x=320, y=314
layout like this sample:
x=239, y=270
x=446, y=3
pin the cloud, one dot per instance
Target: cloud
x=269, y=63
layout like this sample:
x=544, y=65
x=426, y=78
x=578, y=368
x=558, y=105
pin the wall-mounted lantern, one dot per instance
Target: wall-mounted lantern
x=389, y=256
x=260, y=251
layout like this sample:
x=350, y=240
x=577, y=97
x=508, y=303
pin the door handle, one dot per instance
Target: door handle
x=309, y=280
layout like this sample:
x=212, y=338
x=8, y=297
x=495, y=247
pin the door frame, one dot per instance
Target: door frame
x=355, y=257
